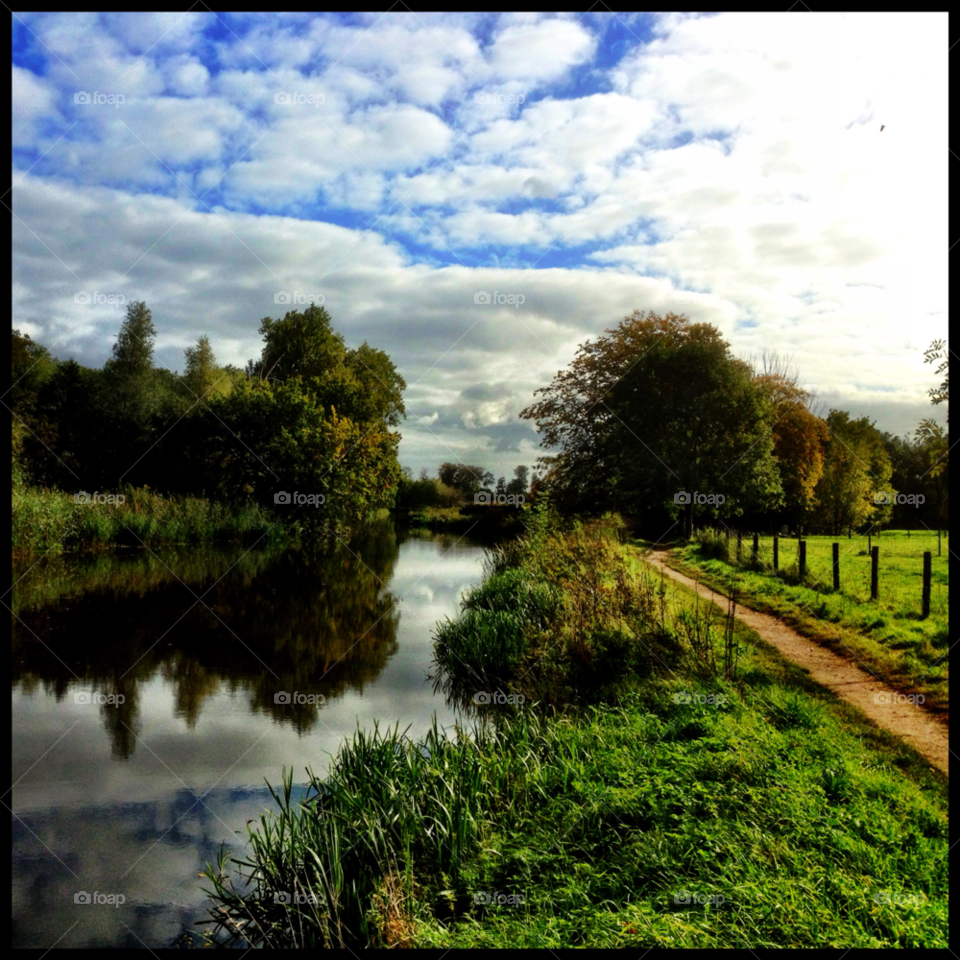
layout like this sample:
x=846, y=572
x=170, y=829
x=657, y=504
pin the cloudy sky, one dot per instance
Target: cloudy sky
x=477, y=194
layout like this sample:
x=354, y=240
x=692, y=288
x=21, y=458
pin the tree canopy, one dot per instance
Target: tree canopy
x=657, y=413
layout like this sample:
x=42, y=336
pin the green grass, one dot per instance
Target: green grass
x=613, y=821
x=51, y=521
x=888, y=635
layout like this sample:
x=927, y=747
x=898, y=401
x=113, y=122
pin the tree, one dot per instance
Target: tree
x=651, y=414
x=518, y=485
x=269, y=439
x=302, y=344
x=799, y=441
x=31, y=366
x=501, y=488
x=937, y=351
x=855, y=487
x=202, y=377
x=934, y=447
x=465, y=477
x=379, y=387
x=129, y=371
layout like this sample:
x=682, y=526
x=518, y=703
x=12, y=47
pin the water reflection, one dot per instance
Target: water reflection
x=135, y=798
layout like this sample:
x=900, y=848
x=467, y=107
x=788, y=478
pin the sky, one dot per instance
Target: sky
x=478, y=194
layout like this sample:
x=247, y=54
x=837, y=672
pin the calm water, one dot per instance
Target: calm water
x=132, y=799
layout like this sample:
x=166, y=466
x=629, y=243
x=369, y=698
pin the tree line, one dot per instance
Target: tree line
x=658, y=419
x=457, y=484
x=310, y=417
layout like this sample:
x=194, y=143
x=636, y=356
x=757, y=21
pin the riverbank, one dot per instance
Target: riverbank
x=643, y=771
x=54, y=521
x=476, y=519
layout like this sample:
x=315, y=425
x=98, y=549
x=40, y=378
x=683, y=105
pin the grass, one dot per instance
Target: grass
x=51, y=521
x=888, y=635
x=696, y=802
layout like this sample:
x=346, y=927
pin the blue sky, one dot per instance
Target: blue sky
x=401, y=165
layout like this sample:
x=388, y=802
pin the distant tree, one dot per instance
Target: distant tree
x=799, y=442
x=501, y=488
x=467, y=478
x=518, y=485
x=855, y=487
x=934, y=445
x=202, y=377
x=937, y=353
x=133, y=349
x=129, y=372
x=32, y=366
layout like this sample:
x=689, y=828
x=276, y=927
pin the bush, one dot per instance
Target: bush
x=415, y=495
x=714, y=545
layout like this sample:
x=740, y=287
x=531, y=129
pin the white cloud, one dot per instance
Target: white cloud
x=732, y=167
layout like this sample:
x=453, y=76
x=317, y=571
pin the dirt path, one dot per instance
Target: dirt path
x=911, y=723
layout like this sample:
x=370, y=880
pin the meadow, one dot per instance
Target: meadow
x=889, y=634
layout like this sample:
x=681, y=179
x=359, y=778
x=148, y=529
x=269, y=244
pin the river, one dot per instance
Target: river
x=154, y=693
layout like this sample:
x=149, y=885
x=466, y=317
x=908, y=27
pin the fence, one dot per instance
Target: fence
x=828, y=567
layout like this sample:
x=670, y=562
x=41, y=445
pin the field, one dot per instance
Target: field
x=888, y=634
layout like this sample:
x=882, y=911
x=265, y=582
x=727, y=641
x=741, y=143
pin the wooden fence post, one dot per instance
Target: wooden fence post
x=927, y=573
x=874, y=567
x=756, y=546
x=836, y=566
x=803, y=559
x=776, y=552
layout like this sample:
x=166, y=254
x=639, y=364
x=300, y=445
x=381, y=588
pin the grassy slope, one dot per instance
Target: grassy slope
x=782, y=800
